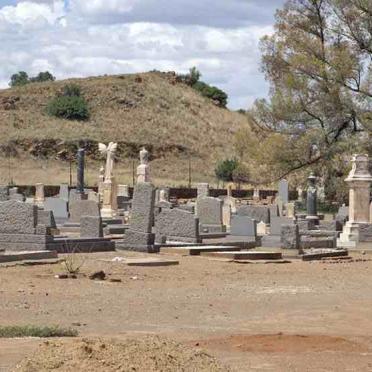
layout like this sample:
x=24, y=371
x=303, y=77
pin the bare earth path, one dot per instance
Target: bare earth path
x=289, y=317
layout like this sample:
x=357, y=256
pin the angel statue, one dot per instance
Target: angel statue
x=109, y=151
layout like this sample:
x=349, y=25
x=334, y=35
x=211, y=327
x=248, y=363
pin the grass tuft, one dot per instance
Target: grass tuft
x=36, y=331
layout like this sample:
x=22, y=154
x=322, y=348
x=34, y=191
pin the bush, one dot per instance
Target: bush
x=36, y=331
x=19, y=79
x=42, y=76
x=71, y=90
x=214, y=93
x=68, y=107
x=225, y=170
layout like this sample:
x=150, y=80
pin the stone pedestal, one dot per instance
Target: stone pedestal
x=109, y=199
x=39, y=194
x=359, y=181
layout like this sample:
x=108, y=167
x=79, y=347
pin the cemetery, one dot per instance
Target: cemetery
x=185, y=186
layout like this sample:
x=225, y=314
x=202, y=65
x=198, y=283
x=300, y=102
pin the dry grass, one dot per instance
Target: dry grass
x=153, y=111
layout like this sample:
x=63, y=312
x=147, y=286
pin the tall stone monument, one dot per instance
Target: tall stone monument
x=359, y=180
x=283, y=191
x=143, y=170
x=108, y=186
x=39, y=194
x=311, y=200
x=80, y=171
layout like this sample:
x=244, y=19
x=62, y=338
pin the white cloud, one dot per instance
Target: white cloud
x=71, y=41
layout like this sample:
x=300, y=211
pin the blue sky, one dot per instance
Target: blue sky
x=95, y=37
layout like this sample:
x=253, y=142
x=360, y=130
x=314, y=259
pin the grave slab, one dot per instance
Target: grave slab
x=245, y=255
x=197, y=250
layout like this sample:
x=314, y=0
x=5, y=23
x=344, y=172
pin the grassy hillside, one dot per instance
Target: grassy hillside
x=175, y=123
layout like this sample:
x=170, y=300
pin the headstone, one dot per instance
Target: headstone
x=79, y=208
x=243, y=226
x=311, y=200
x=291, y=210
x=91, y=227
x=257, y=212
x=209, y=212
x=14, y=194
x=139, y=236
x=123, y=190
x=283, y=191
x=46, y=218
x=64, y=192
x=277, y=223
x=290, y=237
x=202, y=190
x=273, y=210
x=177, y=225
x=93, y=196
x=261, y=228
x=256, y=195
x=4, y=193
x=143, y=170
x=59, y=207
x=17, y=217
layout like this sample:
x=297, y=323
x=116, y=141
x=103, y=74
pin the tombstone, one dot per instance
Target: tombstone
x=92, y=195
x=277, y=222
x=226, y=214
x=177, y=225
x=299, y=195
x=75, y=195
x=139, y=236
x=243, y=226
x=91, y=227
x=123, y=190
x=311, y=200
x=4, y=193
x=209, y=212
x=261, y=228
x=80, y=170
x=256, y=195
x=59, y=207
x=257, y=212
x=202, y=190
x=64, y=192
x=342, y=214
x=46, y=218
x=14, y=194
x=39, y=194
x=273, y=211
x=283, y=191
x=290, y=237
x=291, y=210
x=79, y=208
x=359, y=180
x=143, y=170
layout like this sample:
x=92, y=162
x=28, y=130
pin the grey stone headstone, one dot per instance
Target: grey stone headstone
x=58, y=206
x=64, y=192
x=177, y=224
x=243, y=226
x=257, y=212
x=283, y=191
x=46, y=218
x=209, y=211
x=273, y=210
x=4, y=193
x=290, y=237
x=143, y=207
x=276, y=224
x=17, y=217
x=79, y=208
x=91, y=227
x=202, y=190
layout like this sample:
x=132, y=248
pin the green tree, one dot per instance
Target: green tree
x=318, y=63
x=21, y=78
x=218, y=96
x=43, y=76
x=225, y=170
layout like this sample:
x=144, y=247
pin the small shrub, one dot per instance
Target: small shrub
x=36, y=331
x=71, y=90
x=213, y=93
x=68, y=107
x=225, y=169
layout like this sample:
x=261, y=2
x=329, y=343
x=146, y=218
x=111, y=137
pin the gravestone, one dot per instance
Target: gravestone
x=257, y=212
x=139, y=236
x=59, y=207
x=243, y=226
x=17, y=217
x=46, y=218
x=202, y=190
x=177, y=225
x=80, y=171
x=39, y=193
x=311, y=200
x=291, y=210
x=277, y=222
x=79, y=208
x=91, y=227
x=64, y=192
x=283, y=191
x=261, y=228
x=209, y=212
x=273, y=211
x=14, y=194
x=4, y=193
x=290, y=237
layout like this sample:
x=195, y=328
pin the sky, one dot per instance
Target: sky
x=79, y=38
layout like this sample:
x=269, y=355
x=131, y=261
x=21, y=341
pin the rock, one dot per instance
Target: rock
x=98, y=275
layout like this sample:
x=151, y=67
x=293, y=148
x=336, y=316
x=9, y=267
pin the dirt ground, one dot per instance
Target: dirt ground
x=253, y=317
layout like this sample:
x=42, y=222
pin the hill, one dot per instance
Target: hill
x=153, y=109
